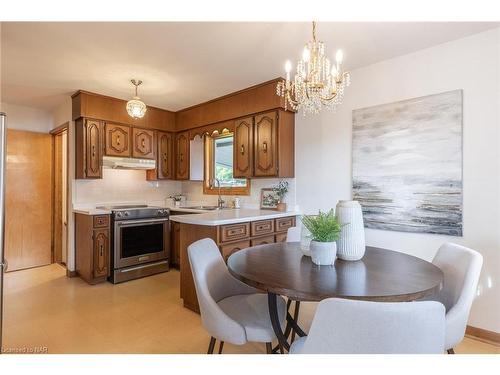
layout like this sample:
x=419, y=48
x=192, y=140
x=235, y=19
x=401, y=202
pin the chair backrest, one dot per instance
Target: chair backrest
x=342, y=326
x=213, y=283
x=293, y=234
x=461, y=267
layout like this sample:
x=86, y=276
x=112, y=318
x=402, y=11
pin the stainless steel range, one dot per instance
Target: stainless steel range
x=140, y=241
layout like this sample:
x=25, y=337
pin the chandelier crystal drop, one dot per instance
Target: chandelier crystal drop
x=135, y=107
x=317, y=82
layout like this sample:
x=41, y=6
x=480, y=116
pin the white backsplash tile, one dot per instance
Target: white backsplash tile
x=193, y=190
x=123, y=186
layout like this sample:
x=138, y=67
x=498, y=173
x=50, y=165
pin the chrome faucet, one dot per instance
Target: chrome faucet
x=220, y=201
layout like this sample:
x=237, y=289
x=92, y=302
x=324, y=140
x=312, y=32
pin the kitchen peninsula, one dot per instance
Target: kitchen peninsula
x=232, y=230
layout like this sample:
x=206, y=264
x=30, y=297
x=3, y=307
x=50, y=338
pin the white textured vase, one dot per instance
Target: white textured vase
x=351, y=243
x=305, y=241
x=323, y=253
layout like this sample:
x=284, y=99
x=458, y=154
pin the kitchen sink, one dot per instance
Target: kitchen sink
x=208, y=208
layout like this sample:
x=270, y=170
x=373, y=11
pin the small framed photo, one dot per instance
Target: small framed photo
x=268, y=199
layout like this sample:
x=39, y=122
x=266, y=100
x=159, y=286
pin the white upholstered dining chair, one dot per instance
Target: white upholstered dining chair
x=342, y=326
x=461, y=267
x=231, y=311
x=293, y=234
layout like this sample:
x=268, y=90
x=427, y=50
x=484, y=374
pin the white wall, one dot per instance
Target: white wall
x=323, y=149
x=26, y=118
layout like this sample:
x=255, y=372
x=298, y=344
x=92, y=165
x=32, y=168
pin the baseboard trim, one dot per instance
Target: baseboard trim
x=71, y=273
x=483, y=335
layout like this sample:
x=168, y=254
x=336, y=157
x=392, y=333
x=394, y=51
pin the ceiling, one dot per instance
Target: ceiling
x=185, y=63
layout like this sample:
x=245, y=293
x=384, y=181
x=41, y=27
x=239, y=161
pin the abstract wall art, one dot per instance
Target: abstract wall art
x=407, y=164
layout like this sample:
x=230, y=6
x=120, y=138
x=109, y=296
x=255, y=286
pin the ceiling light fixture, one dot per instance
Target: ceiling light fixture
x=316, y=82
x=135, y=107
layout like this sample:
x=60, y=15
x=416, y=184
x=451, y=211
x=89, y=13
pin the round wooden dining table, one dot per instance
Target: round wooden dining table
x=381, y=275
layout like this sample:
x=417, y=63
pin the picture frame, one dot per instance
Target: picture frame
x=268, y=199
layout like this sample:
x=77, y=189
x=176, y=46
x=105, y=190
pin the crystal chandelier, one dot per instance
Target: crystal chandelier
x=316, y=83
x=135, y=107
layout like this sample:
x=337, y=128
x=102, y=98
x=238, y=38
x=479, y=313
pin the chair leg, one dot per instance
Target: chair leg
x=269, y=348
x=451, y=351
x=221, y=345
x=211, y=346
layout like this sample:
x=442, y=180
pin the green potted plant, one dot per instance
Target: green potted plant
x=281, y=189
x=325, y=231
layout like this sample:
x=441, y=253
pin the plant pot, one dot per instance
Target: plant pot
x=351, y=242
x=281, y=207
x=323, y=253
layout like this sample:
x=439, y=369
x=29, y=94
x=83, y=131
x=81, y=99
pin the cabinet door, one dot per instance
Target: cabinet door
x=182, y=156
x=117, y=140
x=175, y=253
x=93, y=149
x=101, y=252
x=227, y=250
x=165, y=155
x=243, y=148
x=143, y=143
x=265, y=145
x=262, y=241
x=281, y=237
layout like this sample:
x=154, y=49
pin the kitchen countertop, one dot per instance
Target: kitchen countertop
x=229, y=216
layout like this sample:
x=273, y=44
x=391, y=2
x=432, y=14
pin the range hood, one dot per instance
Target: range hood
x=127, y=163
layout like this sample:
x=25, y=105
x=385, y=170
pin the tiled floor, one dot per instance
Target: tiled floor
x=44, y=308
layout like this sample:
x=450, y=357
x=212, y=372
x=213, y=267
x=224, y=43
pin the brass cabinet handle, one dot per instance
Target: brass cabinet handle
x=93, y=151
x=101, y=251
x=242, y=150
x=264, y=147
x=182, y=157
x=143, y=143
x=118, y=140
x=165, y=157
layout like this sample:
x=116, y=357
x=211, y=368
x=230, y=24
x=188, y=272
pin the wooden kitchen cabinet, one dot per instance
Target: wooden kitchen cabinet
x=88, y=148
x=92, y=247
x=182, y=156
x=230, y=238
x=243, y=148
x=143, y=143
x=117, y=140
x=265, y=145
x=165, y=158
x=175, y=252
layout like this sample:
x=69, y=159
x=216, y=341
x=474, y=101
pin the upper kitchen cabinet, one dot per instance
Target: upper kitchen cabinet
x=143, y=143
x=89, y=146
x=266, y=148
x=182, y=155
x=243, y=148
x=117, y=139
x=165, y=155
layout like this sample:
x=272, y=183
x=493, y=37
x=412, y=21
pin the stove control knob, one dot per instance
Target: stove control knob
x=126, y=213
x=118, y=214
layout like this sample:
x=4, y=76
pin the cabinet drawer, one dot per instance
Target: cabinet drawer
x=262, y=227
x=281, y=237
x=101, y=221
x=234, y=232
x=283, y=223
x=262, y=240
x=227, y=250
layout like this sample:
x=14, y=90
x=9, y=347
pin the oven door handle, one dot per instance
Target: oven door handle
x=143, y=222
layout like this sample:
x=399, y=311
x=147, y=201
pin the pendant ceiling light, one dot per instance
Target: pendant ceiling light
x=136, y=107
x=316, y=83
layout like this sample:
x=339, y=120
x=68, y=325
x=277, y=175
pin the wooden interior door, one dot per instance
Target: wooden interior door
x=182, y=156
x=265, y=145
x=117, y=140
x=28, y=200
x=165, y=155
x=143, y=143
x=58, y=198
x=243, y=148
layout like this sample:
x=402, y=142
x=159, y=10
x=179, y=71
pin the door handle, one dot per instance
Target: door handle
x=242, y=149
x=264, y=147
x=5, y=265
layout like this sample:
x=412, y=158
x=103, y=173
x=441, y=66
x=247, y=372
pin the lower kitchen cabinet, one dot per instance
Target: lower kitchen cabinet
x=229, y=238
x=227, y=250
x=175, y=248
x=92, y=247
